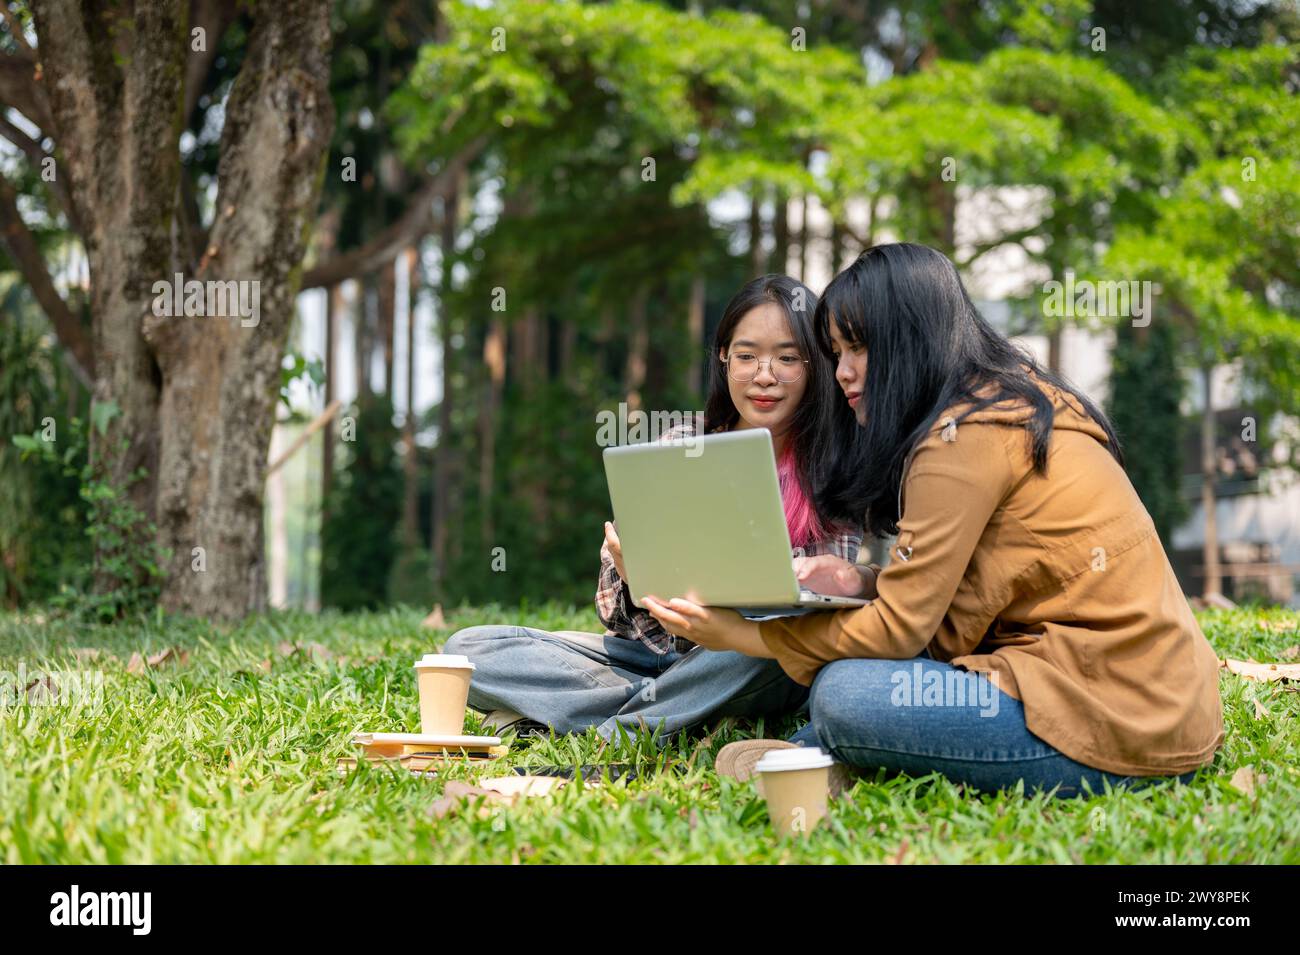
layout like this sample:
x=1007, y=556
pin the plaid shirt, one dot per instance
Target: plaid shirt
x=623, y=618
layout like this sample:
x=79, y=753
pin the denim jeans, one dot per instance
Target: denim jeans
x=921, y=716
x=570, y=680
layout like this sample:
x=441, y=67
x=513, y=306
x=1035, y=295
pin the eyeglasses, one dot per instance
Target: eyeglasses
x=744, y=366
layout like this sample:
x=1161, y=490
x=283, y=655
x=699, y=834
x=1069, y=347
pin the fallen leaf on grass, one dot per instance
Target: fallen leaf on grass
x=41, y=690
x=139, y=662
x=310, y=651
x=1261, y=713
x=87, y=653
x=502, y=791
x=1266, y=672
x=1243, y=780
x=898, y=856
x=1291, y=652
x=435, y=620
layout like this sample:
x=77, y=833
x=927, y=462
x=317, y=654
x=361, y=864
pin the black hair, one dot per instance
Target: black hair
x=823, y=420
x=928, y=348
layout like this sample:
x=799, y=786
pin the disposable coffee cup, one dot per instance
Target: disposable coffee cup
x=443, y=680
x=796, y=783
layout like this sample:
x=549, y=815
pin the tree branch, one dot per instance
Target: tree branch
x=37, y=156
x=385, y=245
x=16, y=30
x=1011, y=238
x=214, y=16
x=22, y=247
x=20, y=89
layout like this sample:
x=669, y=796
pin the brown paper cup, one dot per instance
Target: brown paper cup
x=795, y=783
x=443, y=681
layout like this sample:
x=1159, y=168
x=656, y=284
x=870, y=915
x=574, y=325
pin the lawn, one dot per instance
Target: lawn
x=225, y=752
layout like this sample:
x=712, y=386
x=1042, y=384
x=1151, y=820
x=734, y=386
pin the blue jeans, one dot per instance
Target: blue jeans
x=570, y=680
x=920, y=716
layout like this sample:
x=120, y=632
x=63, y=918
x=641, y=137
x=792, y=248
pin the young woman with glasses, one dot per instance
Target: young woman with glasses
x=767, y=372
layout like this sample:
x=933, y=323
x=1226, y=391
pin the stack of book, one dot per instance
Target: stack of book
x=420, y=753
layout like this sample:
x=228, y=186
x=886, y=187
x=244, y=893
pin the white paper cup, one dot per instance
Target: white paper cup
x=443, y=679
x=796, y=784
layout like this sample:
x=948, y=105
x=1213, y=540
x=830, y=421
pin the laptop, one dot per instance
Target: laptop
x=702, y=519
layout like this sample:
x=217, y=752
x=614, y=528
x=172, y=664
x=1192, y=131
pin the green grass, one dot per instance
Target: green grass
x=218, y=760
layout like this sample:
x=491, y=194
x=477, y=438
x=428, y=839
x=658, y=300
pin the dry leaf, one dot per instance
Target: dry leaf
x=1260, y=712
x=41, y=690
x=317, y=651
x=902, y=851
x=497, y=791
x=1243, y=780
x=1266, y=672
x=139, y=662
x=86, y=653
x=1291, y=652
x=435, y=620
x=522, y=785
x=1219, y=602
x=285, y=649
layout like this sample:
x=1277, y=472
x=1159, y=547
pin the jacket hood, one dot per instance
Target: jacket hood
x=1070, y=414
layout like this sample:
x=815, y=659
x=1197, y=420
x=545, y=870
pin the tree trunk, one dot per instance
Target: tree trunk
x=1054, y=354
x=695, y=372
x=494, y=360
x=837, y=245
x=197, y=392
x=332, y=296
x=805, y=234
x=386, y=297
x=757, y=257
x=411, y=488
x=444, y=465
x=638, y=347
x=1209, y=470
x=781, y=233
x=942, y=200
x=362, y=339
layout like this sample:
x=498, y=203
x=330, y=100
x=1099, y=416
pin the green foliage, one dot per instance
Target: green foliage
x=297, y=367
x=411, y=581
x=1223, y=244
x=358, y=533
x=1146, y=389
x=43, y=545
x=128, y=562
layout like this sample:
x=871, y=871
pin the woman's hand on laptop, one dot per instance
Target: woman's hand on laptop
x=713, y=628
x=835, y=576
x=615, y=548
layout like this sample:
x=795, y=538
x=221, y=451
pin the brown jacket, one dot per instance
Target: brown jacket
x=1056, y=585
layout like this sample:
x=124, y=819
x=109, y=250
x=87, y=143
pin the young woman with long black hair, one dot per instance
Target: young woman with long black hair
x=1028, y=627
x=767, y=372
